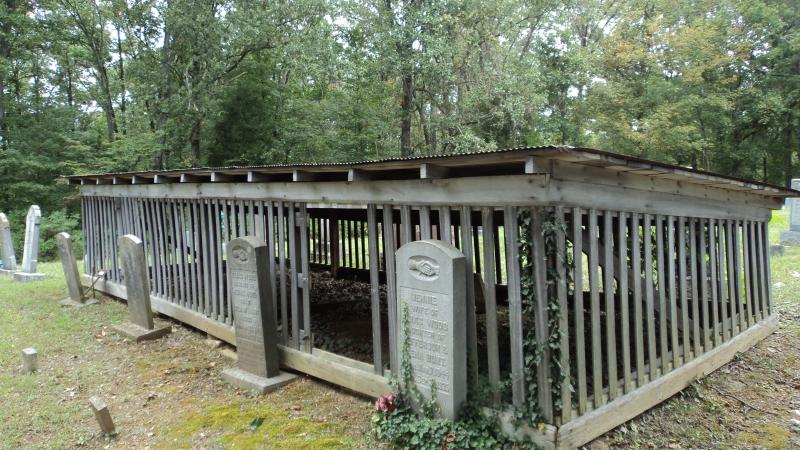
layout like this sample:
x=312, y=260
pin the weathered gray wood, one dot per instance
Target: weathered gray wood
x=638, y=324
x=466, y=249
x=70, y=266
x=705, y=295
x=205, y=253
x=514, y=306
x=218, y=224
x=768, y=271
x=731, y=274
x=625, y=339
x=389, y=249
x=294, y=296
x=608, y=291
x=269, y=217
x=663, y=311
x=282, y=275
x=445, y=225
x=682, y=286
x=305, y=277
x=489, y=295
x=594, y=290
x=723, y=291
x=762, y=267
x=425, y=222
x=737, y=271
x=375, y=295
x=180, y=235
x=197, y=233
x=539, y=254
x=755, y=281
x=673, y=297
x=748, y=277
x=649, y=297
x=577, y=277
x=406, y=225
x=563, y=320
x=697, y=344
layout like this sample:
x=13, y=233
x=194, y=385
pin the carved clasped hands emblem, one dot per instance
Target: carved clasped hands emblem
x=423, y=268
x=241, y=255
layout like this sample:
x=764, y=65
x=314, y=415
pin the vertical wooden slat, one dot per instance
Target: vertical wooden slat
x=205, y=256
x=218, y=223
x=198, y=246
x=406, y=226
x=563, y=320
x=762, y=264
x=362, y=225
x=391, y=286
x=673, y=297
x=168, y=245
x=476, y=244
x=543, y=375
x=293, y=267
x=577, y=277
x=685, y=329
x=731, y=275
x=472, y=330
x=282, y=273
x=180, y=259
x=489, y=296
x=755, y=275
x=649, y=297
x=159, y=244
x=212, y=260
x=594, y=289
x=748, y=274
x=611, y=316
x=514, y=305
x=267, y=215
x=445, y=225
x=697, y=345
x=306, y=278
x=638, y=324
x=737, y=275
x=242, y=218
x=705, y=296
x=767, y=270
x=663, y=310
x=375, y=296
x=723, y=296
x=498, y=264
x=622, y=270
x=425, y=222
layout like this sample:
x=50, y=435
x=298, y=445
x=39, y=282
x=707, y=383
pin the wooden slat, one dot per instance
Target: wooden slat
x=594, y=289
x=682, y=286
x=731, y=275
x=212, y=260
x=220, y=259
x=543, y=375
x=611, y=316
x=305, y=271
x=197, y=262
x=622, y=269
x=563, y=320
x=722, y=280
x=514, y=306
x=425, y=222
x=406, y=225
x=445, y=230
x=705, y=295
x=673, y=295
x=268, y=216
x=489, y=295
x=577, y=277
x=737, y=271
x=282, y=272
x=375, y=296
x=697, y=344
x=663, y=310
x=205, y=254
x=638, y=324
x=177, y=220
x=391, y=285
x=755, y=282
x=649, y=297
x=767, y=269
x=762, y=268
x=466, y=249
x=748, y=277
x=293, y=268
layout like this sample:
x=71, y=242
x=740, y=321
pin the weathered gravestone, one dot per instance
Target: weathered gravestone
x=256, y=336
x=30, y=252
x=102, y=414
x=431, y=287
x=6, y=247
x=792, y=236
x=71, y=274
x=30, y=360
x=140, y=325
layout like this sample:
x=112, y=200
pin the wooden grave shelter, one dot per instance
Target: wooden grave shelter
x=660, y=273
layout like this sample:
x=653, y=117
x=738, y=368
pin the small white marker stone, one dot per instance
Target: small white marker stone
x=102, y=415
x=29, y=360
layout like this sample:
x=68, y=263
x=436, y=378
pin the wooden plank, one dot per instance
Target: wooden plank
x=406, y=226
x=577, y=277
x=585, y=428
x=755, y=282
x=177, y=221
x=391, y=286
x=563, y=319
x=768, y=271
x=489, y=295
x=514, y=306
x=472, y=329
x=731, y=273
x=723, y=291
x=305, y=274
x=429, y=171
x=762, y=265
x=218, y=224
x=649, y=297
x=282, y=272
x=682, y=283
x=748, y=276
x=663, y=310
x=445, y=225
x=375, y=294
x=205, y=253
x=611, y=316
x=293, y=268
x=625, y=339
x=737, y=271
x=268, y=215
x=697, y=344
x=425, y=222
x=673, y=297
x=336, y=244
x=705, y=295
x=212, y=259
x=594, y=297
x=539, y=254
x=638, y=324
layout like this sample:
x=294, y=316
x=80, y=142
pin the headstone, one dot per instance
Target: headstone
x=6, y=247
x=102, y=414
x=30, y=360
x=256, y=337
x=71, y=274
x=30, y=252
x=431, y=288
x=792, y=236
x=140, y=326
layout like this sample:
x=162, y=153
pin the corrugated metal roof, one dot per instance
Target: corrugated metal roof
x=477, y=159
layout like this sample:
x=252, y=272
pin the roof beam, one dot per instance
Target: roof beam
x=190, y=178
x=535, y=165
x=162, y=179
x=219, y=177
x=359, y=175
x=104, y=181
x=137, y=179
x=303, y=175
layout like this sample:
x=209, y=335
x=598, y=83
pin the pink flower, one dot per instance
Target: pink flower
x=386, y=403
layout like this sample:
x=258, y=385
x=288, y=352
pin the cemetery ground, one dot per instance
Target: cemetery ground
x=168, y=393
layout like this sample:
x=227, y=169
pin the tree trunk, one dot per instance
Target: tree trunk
x=164, y=93
x=405, y=120
x=195, y=141
x=121, y=81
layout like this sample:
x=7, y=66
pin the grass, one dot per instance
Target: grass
x=163, y=394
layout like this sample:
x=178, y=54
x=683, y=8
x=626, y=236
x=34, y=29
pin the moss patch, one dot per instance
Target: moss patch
x=767, y=436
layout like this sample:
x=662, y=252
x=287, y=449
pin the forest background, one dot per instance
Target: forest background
x=119, y=85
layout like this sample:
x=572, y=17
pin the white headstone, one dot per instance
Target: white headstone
x=431, y=288
x=7, y=246
x=30, y=251
x=71, y=274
